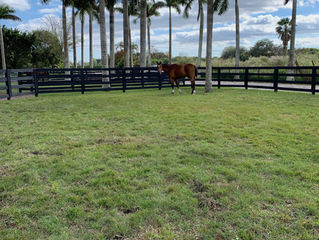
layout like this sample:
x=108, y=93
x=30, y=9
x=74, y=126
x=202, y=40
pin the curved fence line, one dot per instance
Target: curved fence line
x=17, y=82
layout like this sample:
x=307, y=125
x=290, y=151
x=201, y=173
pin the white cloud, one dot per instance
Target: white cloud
x=50, y=10
x=35, y=24
x=21, y=5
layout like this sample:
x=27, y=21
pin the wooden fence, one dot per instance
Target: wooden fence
x=19, y=82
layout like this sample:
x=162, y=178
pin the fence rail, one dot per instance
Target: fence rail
x=17, y=82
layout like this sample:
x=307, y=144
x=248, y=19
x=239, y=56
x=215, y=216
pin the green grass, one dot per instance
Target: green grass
x=233, y=164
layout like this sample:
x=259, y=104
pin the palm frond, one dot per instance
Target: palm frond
x=223, y=7
x=6, y=12
x=177, y=7
x=188, y=7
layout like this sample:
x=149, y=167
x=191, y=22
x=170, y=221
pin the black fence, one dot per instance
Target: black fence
x=19, y=82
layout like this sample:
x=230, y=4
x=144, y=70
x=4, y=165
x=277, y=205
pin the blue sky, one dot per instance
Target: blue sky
x=258, y=21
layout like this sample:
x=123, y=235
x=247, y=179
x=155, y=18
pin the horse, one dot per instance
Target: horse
x=176, y=71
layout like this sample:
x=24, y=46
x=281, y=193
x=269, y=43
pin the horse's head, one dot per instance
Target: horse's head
x=159, y=67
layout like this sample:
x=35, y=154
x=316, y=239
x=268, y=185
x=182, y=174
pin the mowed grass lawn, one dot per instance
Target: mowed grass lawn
x=233, y=164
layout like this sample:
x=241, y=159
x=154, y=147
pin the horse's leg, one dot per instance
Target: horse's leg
x=172, y=83
x=193, y=86
x=177, y=84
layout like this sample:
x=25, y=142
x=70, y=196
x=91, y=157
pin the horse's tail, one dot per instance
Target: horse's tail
x=196, y=71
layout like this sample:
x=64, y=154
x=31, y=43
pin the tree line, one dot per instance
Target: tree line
x=141, y=9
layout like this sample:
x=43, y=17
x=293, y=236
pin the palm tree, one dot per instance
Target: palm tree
x=237, y=56
x=293, y=32
x=175, y=4
x=132, y=11
x=5, y=13
x=103, y=34
x=212, y=6
x=110, y=6
x=200, y=17
x=143, y=20
x=72, y=3
x=126, y=33
x=209, y=41
x=284, y=32
x=65, y=34
x=152, y=10
x=93, y=14
x=82, y=8
x=86, y=7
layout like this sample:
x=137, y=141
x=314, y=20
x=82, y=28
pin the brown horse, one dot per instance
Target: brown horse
x=176, y=71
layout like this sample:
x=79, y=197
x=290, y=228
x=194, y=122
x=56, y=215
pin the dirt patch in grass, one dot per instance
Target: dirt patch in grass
x=205, y=197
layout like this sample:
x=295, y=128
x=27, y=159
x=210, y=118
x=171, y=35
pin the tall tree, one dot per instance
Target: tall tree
x=221, y=6
x=6, y=13
x=283, y=31
x=152, y=10
x=126, y=33
x=133, y=10
x=93, y=14
x=82, y=8
x=200, y=17
x=86, y=7
x=143, y=20
x=293, y=32
x=110, y=6
x=65, y=33
x=175, y=4
x=103, y=33
x=72, y=4
x=237, y=57
x=209, y=41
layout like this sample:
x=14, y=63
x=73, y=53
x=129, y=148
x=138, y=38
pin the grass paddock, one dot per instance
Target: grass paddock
x=232, y=164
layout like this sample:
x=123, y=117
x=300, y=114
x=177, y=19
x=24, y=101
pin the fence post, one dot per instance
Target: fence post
x=19, y=82
x=82, y=82
x=246, y=78
x=160, y=82
x=142, y=77
x=36, y=82
x=276, y=79
x=313, y=81
x=218, y=77
x=124, y=79
x=72, y=80
x=8, y=84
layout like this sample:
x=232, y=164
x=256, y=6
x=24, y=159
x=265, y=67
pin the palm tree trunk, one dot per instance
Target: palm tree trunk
x=82, y=40
x=103, y=41
x=209, y=41
x=3, y=56
x=91, y=36
x=143, y=6
x=285, y=44
x=65, y=37
x=149, y=42
x=125, y=33
x=201, y=31
x=130, y=42
x=237, y=57
x=293, y=34
x=74, y=37
x=112, y=56
x=103, y=34
x=170, y=37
